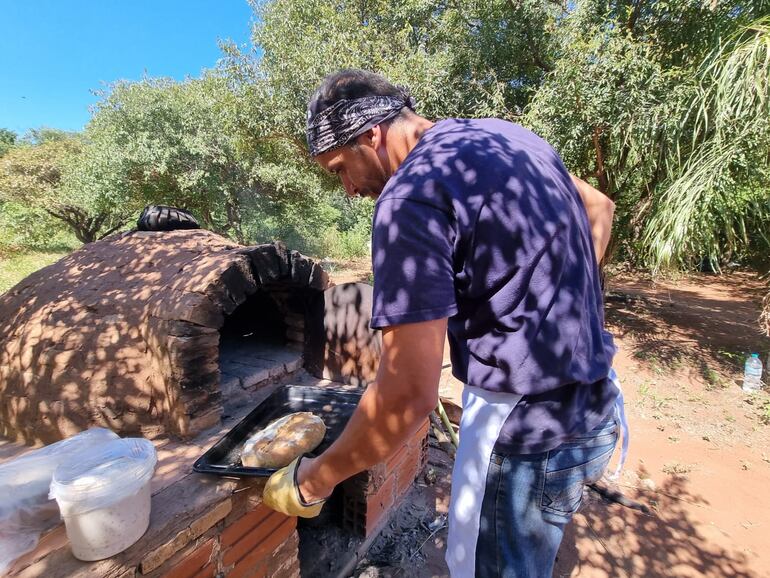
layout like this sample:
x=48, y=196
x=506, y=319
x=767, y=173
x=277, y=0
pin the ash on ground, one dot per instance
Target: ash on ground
x=414, y=541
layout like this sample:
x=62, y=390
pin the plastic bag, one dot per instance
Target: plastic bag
x=119, y=468
x=25, y=508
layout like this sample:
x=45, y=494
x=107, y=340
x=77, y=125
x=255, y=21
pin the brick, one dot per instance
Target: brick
x=319, y=279
x=256, y=536
x=165, y=551
x=196, y=564
x=109, y=327
x=407, y=471
x=295, y=335
x=269, y=262
x=294, y=365
x=366, y=483
x=202, y=422
x=301, y=268
x=284, y=561
x=415, y=441
x=217, y=513
x=363, y=516
x=257, y=571
x=209, y=571
x=294, y=320
x=394, y=460
x=422, y=433
x=244, y=524
x=247, y=498
x=246, y=566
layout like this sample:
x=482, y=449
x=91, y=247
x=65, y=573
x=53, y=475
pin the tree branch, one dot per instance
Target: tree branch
x=112, y=229
x=601, y=174
x=634, y=16
x=536, y=58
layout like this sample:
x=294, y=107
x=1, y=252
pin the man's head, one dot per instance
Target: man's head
x=349, y=119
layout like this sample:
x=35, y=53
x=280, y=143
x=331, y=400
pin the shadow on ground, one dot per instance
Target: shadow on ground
x=611, y=540
x=711, y=324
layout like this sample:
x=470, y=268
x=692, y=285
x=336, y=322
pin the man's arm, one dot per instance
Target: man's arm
x=390, y=411
x=600, y=209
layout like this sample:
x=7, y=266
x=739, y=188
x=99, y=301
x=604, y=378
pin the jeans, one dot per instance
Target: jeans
x=529, y=499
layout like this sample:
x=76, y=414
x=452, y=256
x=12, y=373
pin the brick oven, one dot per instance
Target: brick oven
x=176, y=336
x=150, y=333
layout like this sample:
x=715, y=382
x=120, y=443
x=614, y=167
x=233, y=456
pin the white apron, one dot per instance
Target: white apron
x=484, y=413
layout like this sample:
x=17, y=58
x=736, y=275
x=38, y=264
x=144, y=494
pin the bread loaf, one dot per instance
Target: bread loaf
x=284, y=440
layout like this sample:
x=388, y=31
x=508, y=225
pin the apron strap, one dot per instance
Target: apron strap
x=620, y=412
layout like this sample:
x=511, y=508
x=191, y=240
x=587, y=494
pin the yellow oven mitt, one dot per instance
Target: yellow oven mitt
x=281, y=493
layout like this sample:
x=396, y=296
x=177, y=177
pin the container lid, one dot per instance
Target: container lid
x=115, y=469
x=755, y=355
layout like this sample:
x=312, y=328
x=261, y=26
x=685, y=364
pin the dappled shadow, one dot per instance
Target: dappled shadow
x=124, y=332
x=499, y=224
x=483, y=225
x=341, y=345
x=705, y=321
x=611, y=540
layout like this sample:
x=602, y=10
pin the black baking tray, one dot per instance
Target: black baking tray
x=333, y=406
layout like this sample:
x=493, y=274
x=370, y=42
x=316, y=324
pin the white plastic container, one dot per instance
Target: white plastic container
x=105, y=498
x=25, y=509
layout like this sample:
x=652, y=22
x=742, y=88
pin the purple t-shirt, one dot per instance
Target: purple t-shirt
x=482, y=224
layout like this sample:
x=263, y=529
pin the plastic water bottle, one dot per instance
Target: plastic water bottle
x=752, y=373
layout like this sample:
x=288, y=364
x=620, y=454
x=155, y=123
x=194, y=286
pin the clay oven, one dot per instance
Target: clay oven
x=149, y=333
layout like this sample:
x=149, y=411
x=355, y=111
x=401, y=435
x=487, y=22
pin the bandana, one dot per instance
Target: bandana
x=346, y=119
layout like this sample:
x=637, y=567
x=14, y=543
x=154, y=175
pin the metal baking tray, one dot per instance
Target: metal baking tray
x=333, y=406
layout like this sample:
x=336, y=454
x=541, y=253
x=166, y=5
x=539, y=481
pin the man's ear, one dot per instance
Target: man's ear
x=372, y=137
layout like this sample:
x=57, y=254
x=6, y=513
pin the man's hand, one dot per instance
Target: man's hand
x=282, y=494
x=600, y=210
x=390, y=411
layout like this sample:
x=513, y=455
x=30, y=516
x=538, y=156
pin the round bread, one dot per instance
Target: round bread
x=283, y=441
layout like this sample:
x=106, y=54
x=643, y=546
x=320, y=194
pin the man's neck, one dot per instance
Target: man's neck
x=408, y=134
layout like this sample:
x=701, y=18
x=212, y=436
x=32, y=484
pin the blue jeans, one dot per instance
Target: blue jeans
x=529, y=499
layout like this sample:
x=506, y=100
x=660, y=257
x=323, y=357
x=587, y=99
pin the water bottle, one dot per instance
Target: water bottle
x=752, y=373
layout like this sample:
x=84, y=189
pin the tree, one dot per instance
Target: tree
x=44, y=134
x=35, y=175
x=474, y=58
x=208, y=145
x=166, y=142
x=460, y=59
x=716, y=202
x=7, y=140
x=622, y=107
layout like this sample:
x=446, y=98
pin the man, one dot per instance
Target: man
x=479, y=230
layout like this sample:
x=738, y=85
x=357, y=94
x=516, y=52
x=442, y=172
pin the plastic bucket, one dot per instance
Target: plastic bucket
x=104, y=498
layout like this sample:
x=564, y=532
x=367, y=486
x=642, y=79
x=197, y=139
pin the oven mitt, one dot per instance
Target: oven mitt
x=281, y=493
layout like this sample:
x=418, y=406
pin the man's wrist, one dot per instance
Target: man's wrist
x=310, y=483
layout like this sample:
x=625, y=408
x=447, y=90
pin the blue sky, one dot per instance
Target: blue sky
x=54, y=52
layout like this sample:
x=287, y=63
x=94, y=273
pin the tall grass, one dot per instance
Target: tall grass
x=719, y=195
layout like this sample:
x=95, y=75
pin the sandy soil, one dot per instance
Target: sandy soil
x=700, y=447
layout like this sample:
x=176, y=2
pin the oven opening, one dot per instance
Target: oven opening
x=254, y=347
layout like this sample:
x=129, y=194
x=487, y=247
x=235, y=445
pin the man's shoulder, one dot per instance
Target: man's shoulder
x=476, y=142
x=461, y=151
x=461, y=130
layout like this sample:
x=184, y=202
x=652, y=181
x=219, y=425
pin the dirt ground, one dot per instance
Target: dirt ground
x=699, y=454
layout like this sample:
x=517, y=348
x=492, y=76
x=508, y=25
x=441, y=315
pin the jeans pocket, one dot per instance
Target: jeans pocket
x=563, y=489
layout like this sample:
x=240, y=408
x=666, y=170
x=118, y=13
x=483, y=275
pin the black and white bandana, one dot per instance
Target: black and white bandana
x=346, y=119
